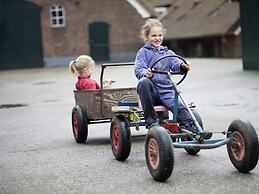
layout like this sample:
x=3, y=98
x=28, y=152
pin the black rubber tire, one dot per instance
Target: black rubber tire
x=194, y=151
x=159, y=153
x=120, y=137
x=244, y=155
x=79, y=124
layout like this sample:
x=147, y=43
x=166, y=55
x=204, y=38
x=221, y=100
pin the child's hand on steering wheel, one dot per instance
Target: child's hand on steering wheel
x=186, y=66
x=149, y=73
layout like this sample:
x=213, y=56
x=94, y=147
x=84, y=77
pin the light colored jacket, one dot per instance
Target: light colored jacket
x=145, y=59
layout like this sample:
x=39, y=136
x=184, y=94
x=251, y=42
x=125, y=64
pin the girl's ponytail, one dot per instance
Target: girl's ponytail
x=72, y=67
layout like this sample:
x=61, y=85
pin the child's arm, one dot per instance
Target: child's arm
x=141, y=67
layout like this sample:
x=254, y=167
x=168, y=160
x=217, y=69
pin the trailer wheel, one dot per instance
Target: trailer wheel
x=79, y=124
x=243, y=150
x=120, y=137
x=159, y=153
x=193, y=150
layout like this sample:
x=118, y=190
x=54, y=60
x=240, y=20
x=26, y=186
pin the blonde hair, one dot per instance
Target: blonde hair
x=82, y=64
x=145, y=30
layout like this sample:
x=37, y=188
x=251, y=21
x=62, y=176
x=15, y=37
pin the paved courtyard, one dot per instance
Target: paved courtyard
x=39, y=155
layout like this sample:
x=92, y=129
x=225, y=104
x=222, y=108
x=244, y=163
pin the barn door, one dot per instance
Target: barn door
x=22, y=35
x=2, y=35
x=208, y=49
x=99, y=41
x=2, y=46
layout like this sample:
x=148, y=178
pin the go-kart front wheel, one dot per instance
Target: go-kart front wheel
x=120, y=137
x=243, y=150
x=79, y=124
x=159, y=153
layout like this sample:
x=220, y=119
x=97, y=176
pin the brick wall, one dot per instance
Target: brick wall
x=71, y=40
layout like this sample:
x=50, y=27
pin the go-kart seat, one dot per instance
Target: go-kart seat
x=161, y=111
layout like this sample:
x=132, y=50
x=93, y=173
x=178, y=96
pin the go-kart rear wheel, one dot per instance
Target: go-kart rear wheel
x=120, y=137
x=159, y=153
x=243, y=150
x=79, y=124
x=194, y=151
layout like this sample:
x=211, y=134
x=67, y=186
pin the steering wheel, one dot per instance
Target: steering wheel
x=184, y=73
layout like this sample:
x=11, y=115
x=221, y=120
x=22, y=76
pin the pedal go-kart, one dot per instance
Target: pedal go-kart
x=240, y=137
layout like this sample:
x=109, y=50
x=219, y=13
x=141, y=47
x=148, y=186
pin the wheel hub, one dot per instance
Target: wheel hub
x=115, y=138
x=75, y=124
x=153, y=153
x=238, y=146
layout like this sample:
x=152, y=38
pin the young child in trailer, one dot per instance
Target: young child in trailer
x=83, y=67
x=150, y=94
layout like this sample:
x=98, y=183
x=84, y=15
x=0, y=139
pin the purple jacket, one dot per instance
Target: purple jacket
x=145, y=58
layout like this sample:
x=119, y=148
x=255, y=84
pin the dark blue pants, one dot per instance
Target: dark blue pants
x=151, y=96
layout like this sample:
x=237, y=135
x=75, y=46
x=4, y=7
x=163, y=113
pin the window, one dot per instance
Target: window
x=57, y=16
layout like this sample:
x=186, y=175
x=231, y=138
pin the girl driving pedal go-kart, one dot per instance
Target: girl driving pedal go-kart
x=155, y=67
x=161, y=139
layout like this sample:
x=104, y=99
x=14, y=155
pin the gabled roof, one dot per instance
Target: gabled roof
x=200, y=18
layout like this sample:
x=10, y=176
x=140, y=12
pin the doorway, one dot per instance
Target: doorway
x=99, y=41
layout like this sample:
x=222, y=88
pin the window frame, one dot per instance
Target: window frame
x=57, y=16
